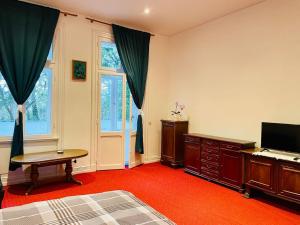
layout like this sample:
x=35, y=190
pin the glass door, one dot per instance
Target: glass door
x=111, y=122
x=111, y=103
x=117, y=112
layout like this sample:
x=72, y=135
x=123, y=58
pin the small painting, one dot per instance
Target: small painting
x=78, y=70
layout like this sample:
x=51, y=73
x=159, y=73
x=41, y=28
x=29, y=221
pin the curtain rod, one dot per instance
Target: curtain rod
x=90, y=19
x=68, y=14
x=98, y=21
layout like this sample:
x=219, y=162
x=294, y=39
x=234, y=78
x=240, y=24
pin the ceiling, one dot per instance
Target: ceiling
x=166, y=17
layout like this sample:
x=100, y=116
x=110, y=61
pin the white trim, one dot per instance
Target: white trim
x=60, y=85
x=31, y=140
x=110, y=167
x=153, y=159
x=134, y=164
x=94, y=105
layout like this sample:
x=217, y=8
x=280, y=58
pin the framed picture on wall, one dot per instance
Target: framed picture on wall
x=78, y=70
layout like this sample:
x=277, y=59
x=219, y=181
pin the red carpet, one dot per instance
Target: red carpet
x=185, y=199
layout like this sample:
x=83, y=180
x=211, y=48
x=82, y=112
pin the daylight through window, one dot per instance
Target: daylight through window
x=38, y=107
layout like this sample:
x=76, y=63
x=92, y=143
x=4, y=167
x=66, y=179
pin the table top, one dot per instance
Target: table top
x=51, y=156
x=237, y=141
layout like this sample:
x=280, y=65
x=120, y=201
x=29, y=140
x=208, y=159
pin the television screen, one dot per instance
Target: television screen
x=279, y=136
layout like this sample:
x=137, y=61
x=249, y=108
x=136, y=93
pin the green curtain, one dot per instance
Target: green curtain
x=26, y=33
x=133, y=48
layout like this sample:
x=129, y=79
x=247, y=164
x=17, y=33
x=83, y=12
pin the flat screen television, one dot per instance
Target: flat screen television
x=278, y=136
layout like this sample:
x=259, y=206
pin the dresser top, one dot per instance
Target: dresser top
x=211, y=137
x=175, y=121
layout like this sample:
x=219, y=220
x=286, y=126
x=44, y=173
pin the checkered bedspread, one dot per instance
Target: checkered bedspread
x=111, y=208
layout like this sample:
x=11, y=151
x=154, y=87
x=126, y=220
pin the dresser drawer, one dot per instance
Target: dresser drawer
x=208, y=142
x=230, y=146
x=192, y=139
x=210, y=149
x=209, y=157
x=168, y=124
x=214, y=168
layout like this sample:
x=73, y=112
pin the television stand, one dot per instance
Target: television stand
x=273, y=173
x=271, y=153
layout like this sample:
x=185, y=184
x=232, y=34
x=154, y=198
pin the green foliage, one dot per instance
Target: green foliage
x=110, y=57
x=38, y=101
x=7, y=103
x=36, y=105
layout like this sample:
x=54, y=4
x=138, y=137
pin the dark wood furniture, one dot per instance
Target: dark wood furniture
x=279, y=178
x=172, y=145
x=42, y=159
x=1, y=193
x=215, y=158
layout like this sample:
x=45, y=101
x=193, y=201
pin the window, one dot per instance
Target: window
x=111, y=81
x=110, y=58
x=38, y=107
x=111, y=102
x=8, y=109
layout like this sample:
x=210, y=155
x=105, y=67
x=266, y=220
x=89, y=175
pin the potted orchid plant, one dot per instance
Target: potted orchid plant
x=178, y=111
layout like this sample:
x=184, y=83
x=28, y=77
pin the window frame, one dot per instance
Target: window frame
x=101, y=70
x=53, y=65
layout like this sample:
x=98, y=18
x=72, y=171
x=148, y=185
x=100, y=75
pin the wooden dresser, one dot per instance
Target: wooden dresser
x=172, y=144
x=277, y=177
x=215, y=158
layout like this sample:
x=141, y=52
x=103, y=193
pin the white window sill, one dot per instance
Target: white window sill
x=31, y=140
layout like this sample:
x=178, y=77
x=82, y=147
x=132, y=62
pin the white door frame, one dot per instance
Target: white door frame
x=110, y=145
x=135, y=159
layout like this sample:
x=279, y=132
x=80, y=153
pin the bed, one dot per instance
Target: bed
x=114, y=207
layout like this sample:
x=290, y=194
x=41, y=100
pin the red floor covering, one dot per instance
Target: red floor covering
x=183, y=198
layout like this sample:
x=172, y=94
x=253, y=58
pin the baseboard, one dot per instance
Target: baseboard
x=111, y=167
x=134, y=164
x=84, y=169
x=153, y=159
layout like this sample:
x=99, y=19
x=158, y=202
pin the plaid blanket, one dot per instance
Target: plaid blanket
x=115, y=207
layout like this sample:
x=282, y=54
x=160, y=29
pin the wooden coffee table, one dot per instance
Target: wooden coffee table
x=42, y=159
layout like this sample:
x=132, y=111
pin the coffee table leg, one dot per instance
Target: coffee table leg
x=34, y=175
x=69, y=176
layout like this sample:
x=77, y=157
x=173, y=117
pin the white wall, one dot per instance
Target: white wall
x=237, y=71
x=75, y=124
x=232, y=74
